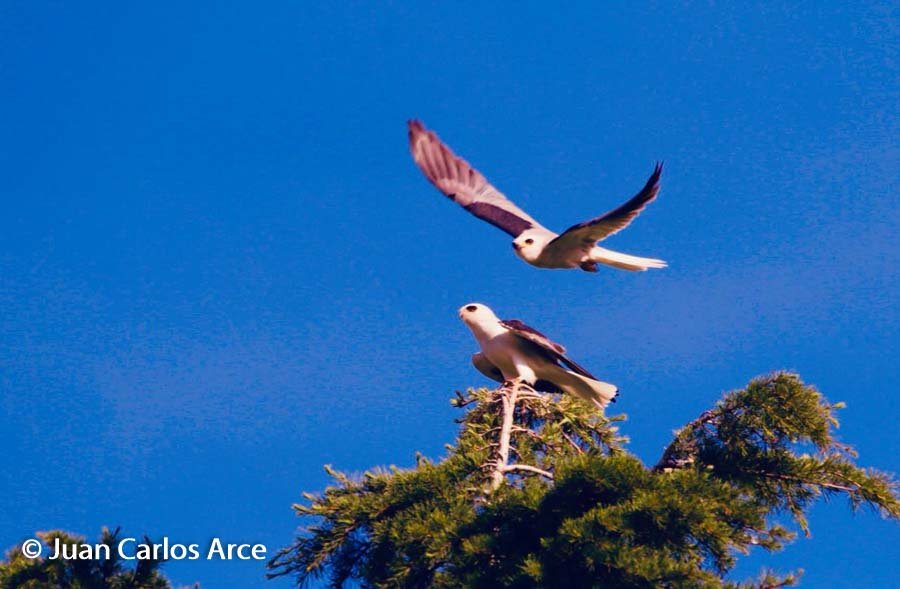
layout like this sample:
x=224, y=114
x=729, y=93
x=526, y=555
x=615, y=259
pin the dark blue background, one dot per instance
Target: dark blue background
x=220, y=269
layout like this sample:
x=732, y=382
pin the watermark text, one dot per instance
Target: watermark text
x=134, y=549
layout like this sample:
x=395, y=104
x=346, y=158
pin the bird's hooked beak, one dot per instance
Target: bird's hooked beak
x=515, y=246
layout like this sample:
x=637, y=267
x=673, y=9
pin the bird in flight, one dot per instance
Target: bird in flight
x=576, y=247
x=513, y=352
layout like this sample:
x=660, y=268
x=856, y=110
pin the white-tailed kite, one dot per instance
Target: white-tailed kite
x=511, y=351
x=576, y=247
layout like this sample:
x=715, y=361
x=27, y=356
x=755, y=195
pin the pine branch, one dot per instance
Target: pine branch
x=682, y=449
x=753, y=435
x=576, y=509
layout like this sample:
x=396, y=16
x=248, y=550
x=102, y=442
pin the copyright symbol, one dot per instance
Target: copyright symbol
x=31, y=548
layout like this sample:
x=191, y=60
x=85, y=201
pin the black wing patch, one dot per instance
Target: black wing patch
x=533, y=335
x=553, y=350
x=498, y=217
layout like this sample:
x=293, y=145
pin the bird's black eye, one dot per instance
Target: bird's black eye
x=471, y=308
x=529, y=241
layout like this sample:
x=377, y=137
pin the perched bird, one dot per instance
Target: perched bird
x=576, y=247
x=513, y=352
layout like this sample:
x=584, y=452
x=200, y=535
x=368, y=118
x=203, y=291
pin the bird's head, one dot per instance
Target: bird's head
x=476, y=315
x=529, y=245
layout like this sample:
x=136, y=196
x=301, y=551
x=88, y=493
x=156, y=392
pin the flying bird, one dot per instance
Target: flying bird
x=576, y=247
x=513, y=352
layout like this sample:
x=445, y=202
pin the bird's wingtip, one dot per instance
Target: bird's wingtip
x=415, y=129
x=415, y=126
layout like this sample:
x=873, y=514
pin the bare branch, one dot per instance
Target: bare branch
x=528, y=468
x=507, y=396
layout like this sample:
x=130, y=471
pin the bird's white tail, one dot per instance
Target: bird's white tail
x=624, y=261
x=595, y=392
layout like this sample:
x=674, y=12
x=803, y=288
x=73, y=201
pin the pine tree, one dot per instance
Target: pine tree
x=21, y=572
x=538, y=490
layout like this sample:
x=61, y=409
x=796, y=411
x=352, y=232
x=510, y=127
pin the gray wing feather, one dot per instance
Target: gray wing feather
x=487, y=368
x=462, y=183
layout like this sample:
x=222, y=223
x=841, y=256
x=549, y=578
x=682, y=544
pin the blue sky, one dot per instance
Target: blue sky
x=220, y=269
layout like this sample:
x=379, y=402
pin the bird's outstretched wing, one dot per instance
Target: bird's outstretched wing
x=485, y=367
x=585, y=235
x=453, y=176
x=554, y=350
